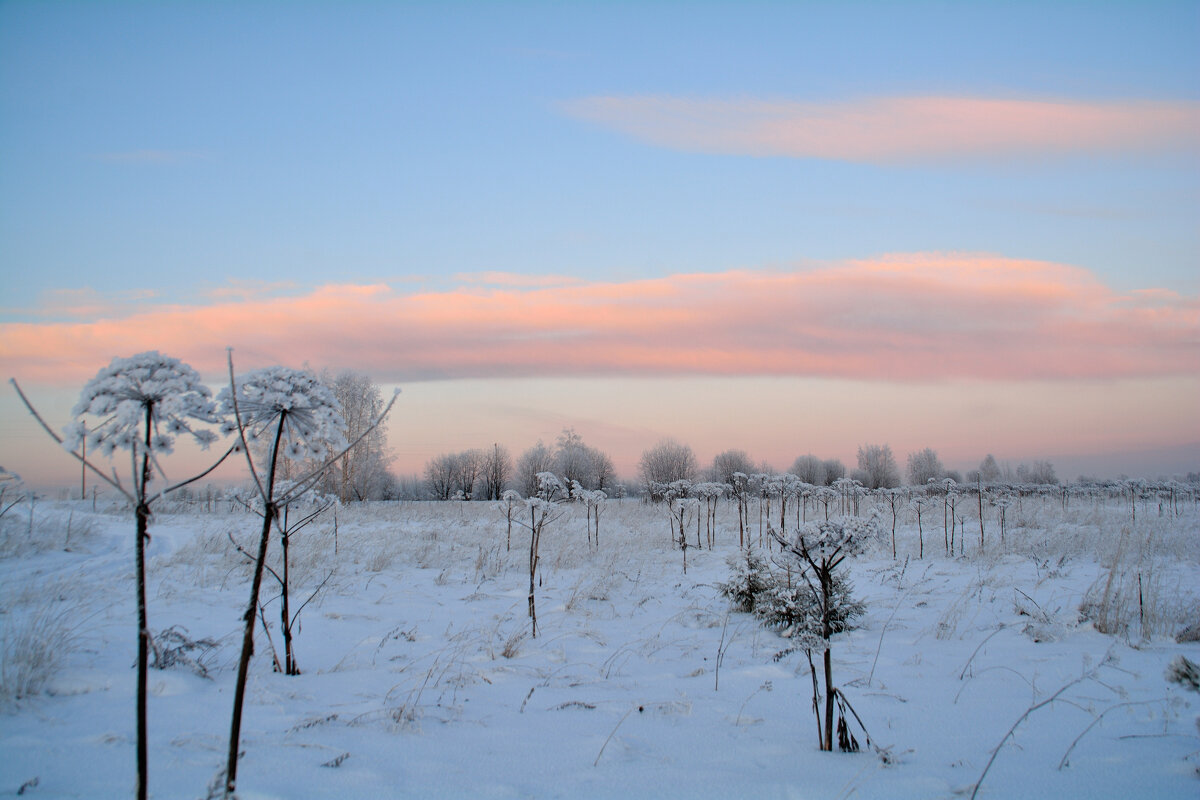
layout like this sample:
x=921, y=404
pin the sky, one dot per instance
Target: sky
x=787, y=228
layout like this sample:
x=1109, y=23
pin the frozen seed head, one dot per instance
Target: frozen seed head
x=118, y=398
x=308, y=410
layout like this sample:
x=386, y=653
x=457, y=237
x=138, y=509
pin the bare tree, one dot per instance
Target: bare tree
x=439, y=475
x=497, y=471
x=362, y=473
x=666, y=462
x=810, y=469
x=989, y=470
x=835, y=470
x=535, y=460
x=727, y=463
x=924, y=466
x=470, y=468
x=878, y=466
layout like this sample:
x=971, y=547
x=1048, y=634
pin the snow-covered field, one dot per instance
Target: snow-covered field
x=420, y=679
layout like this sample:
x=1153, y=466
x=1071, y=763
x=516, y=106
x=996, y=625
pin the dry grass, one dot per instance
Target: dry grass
x=35, y=644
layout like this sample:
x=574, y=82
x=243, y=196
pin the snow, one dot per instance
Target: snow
x=420, y=679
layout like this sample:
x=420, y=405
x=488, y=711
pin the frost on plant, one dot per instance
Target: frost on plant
x=130, y=391
x=819, y=549
x=312, y=420
x=1185, y=672
x=748, y=580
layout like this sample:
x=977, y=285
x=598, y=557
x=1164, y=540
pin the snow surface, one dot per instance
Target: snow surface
x=420, y=680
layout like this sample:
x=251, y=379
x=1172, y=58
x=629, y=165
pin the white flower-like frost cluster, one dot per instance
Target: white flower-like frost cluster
x=121, y=394
x=312, y=419
x=845, y=535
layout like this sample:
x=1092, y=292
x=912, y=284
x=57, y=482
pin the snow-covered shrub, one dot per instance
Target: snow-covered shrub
x=1185, y=672
x=819, y=548
x=174, y=648
x=750, y=577
x=797, y=608
x=784, y=603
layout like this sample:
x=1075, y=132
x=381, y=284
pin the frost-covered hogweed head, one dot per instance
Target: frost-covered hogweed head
x=122, y=393
x=310, y=413
x=844, y=535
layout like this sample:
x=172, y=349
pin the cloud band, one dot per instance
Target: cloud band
x=901, y=317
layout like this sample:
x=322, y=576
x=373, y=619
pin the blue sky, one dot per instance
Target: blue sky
x=162, y=153
x=375, y=141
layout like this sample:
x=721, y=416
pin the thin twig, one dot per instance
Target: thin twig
x=115, y=482
x=311, y=596
x=879, y=647
x=1095, y=722
x=241, y=428
x=1022, y=718
x=299, y=486
x=975, y=652
x=610, y=736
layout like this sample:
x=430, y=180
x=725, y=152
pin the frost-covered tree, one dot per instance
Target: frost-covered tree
x=572, y=459
x=810, y=469
x=727, y=463
x=604, y=474
x=819, y=548
x=878, y=466
x=452, y=475
x=362, y=473
x=300, y=418
x=537, y=459
x=835, y=470
x=543, y=510
x=497, y=471
x=439, y=475
x=470, y=468
x=1042, y=472
x=989, y=470
x=139, y=404
x=577, y=462
x=924, y=466
x=666, y=462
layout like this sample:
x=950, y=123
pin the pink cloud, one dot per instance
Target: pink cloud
x=897, y=129
x=901, y=317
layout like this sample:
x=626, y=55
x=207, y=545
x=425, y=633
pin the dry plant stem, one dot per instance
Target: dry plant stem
x=963, y=672
x=270, y=511
x=879, y=647
x=1067, y=755
x=610, y=735
x=271, y=506
x=141, y=503
x=143, y=522
x=247, y=642
x=262, y=616
x=535, y=530
x=1022, y=718
x=816, y=696
x=112, y=481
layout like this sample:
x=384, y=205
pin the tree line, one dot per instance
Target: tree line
x=485, y=473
